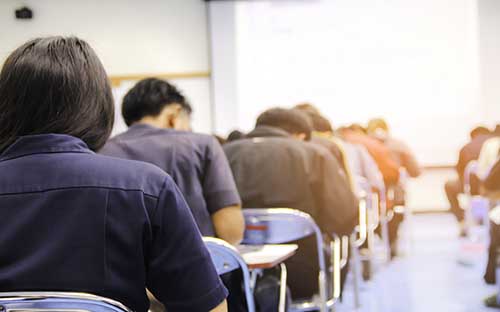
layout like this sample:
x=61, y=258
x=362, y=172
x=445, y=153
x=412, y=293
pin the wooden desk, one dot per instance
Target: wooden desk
x=266, y=256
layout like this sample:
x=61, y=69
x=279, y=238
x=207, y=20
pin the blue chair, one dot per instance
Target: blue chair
x=477, y=207
x=226, y=259
x=58, y=302
x=284, y=225
x=375, y=205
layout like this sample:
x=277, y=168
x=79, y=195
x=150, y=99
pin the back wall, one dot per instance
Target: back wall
x=130, y=37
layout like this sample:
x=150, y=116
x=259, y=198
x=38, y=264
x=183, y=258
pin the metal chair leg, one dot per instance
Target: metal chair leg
x=283, y=276
x=356, y=273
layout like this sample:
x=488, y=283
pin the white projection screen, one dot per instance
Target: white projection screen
x=413, y=62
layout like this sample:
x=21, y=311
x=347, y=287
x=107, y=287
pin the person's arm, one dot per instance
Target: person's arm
x=410, y=162
x=221, y=195
x=411, y=165
x=180, y=272
x=221, y=307
x=336, y=205
x=389, y=168
x=229, y=224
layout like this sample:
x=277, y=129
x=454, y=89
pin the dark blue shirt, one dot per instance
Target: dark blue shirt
x=195, y=161
x=76, y=221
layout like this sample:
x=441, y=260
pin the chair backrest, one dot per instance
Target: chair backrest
x=226, y=259
x=58, y=302
x=284, y=225
x=277, y=226
x=480, y=207
x=224, y=256
x=470, y=169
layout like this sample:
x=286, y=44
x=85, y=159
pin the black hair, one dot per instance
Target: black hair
x=148, y=98
x=55, y=85
x=235, y=135
x=292, y=121
x=480, y=130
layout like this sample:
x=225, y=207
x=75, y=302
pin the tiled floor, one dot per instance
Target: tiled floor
x=438, y=273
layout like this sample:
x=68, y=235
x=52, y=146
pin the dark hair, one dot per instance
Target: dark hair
x=235, y=135
x=480, y=130
x=308, y=108
x=320, y=123
x=292, y=121
x=148, y=98
x=497, y=130
x=55, y=85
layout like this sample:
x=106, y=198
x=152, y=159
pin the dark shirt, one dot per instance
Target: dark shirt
x=77, y=221
x=273, y=170
x=492, y=181
x=470, y=152
x=195, y=161
x=334, y=150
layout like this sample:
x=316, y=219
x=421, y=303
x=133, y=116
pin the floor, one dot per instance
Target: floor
x=437, y=272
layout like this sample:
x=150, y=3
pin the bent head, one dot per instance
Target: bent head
x=292, y=121
x=157, y=102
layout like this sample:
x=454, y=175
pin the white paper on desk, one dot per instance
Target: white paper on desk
x=265, y=253
x=495, y=215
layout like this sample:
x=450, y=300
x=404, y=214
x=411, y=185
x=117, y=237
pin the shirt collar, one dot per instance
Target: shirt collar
x=139, y=125
x=146, y=128
x=44, y=143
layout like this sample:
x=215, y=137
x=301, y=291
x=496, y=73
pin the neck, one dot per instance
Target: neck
x=151, y=121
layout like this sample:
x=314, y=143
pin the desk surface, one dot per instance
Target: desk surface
x=266, y=256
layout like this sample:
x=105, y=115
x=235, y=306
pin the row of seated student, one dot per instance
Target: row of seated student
x=491, y=190
x=116, y=216
x=484, y=149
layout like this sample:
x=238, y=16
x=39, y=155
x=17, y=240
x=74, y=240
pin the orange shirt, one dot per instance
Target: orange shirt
x=380, y=153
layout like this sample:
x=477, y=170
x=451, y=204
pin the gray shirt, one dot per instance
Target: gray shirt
x=195, y=161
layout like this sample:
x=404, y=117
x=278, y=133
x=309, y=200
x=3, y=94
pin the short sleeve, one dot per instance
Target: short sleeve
x=180, y=271
x=219, y=187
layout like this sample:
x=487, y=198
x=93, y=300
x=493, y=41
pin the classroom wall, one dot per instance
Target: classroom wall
x=412, y=62
x=130, y=37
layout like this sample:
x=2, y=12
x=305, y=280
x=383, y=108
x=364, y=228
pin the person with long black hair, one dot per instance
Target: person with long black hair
x=76, y=221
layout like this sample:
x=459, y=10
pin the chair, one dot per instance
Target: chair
x=365, y=207
x=399, y=198
x=477, y=207
x=470, y=169
x=284, y=225
x=58, y=302
x=226, y=259
x=385, y=218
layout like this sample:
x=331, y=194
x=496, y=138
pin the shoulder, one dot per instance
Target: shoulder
x=188, y=136
x=128, y=174
x=320, y=149
x=197, y=141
